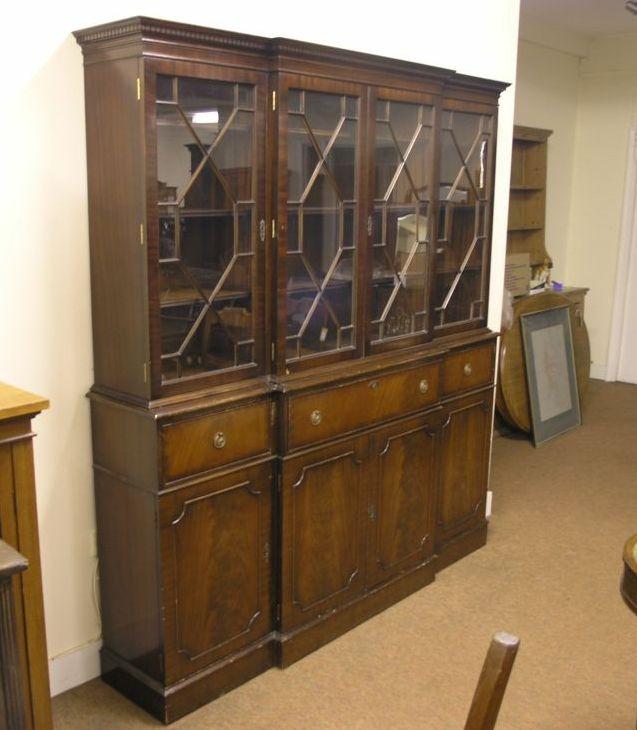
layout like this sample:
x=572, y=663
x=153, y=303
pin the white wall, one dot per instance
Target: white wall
x=44, y=279
x=546, y=96
x=607, y=110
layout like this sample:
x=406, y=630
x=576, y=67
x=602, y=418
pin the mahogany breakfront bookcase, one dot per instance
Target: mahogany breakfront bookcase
x=293, y=394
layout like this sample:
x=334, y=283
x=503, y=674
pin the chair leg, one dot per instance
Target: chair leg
x=493, y=682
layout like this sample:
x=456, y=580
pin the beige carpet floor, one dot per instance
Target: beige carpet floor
x=549, y=573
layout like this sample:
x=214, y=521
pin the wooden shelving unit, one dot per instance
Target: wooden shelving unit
x=527, y=203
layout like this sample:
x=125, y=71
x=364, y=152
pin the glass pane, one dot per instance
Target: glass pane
x=402, y=168
x=322, y=219
x=207, y=177
x=465, y=191
x=465, y=165
x=460, y=266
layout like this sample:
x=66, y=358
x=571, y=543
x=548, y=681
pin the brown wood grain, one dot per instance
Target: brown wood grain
x=468, y=369
x=233, y=532
x=493, y=681
x=19, y=528
x=402, y=497
x=345, y=408
x=463, y=480
x=216, y=568
x=513, y=396
x=201, y=443
x=15, y=402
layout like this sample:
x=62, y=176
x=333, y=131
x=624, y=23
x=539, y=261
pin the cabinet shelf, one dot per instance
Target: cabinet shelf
x=513, y=229
x=181, y=297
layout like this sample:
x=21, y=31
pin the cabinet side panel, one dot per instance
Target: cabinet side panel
x=125, y=443
x=127, y=543
x=115, y=191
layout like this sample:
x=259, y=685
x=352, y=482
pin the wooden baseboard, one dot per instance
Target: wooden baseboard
x=460, y=546
x=170, y=703
x=296, y=644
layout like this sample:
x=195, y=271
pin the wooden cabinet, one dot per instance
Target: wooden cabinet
x=462, y=496
x=402, y=492
x=216, y=547
x=527, y=203
x=323, y=499
x=290, y=250
x=19, y=528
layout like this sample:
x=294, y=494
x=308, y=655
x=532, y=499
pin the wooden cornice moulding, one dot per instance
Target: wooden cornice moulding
x=142, y=29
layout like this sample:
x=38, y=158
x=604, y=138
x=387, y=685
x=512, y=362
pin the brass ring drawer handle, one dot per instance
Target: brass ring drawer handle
x=374, y=384
x=219, y=440
x=423, y=385
x=468, y=368
x=316, y=417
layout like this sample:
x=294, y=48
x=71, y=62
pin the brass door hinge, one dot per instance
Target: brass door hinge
x=141, y=234
x=272, y=413
x=139, y=89
x=273, y=228
x=274, y=101
x=146, y=368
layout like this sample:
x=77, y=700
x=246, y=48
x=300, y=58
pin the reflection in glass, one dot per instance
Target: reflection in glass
x=206, y=197
x=322, y=186
x=402, y=163
x=464, y=192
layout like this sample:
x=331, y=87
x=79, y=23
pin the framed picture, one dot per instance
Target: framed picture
x=550, y=372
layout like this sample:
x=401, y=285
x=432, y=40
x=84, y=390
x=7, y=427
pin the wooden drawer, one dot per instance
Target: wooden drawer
x=205, y=442
x=468, y=369
x=319, y=416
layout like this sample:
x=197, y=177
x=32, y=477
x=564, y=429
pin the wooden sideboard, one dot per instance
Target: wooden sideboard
x=293, y=399
x=19, y=528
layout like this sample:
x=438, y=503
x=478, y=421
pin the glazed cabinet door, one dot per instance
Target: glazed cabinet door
x=323, y=541
x=401, y=144
x=320, y=162
x=216, y=568
x=465, y=194
x=401, y=510
x=205, y=135
x=464, y=464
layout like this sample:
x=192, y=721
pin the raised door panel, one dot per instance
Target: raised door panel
x=320, y=193
x=464, y=465
x=323, y=531
x=402, y=500
x=216, y=553
x=206, y=222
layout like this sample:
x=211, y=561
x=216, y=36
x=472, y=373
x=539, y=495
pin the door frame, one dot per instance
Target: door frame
x=626, y=256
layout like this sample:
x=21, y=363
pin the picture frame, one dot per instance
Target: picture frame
x=550, y=371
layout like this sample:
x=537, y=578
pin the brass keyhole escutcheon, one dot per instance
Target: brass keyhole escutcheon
x=316, y=417
x=423, y=385
x=219, y=440
x=468, y=368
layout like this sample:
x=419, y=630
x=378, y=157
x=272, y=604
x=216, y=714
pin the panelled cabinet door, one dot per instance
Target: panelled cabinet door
x=320, y=207
x=216, y=568
x=400, y=224
x=206, y=227
x=323, y=541
x=401, y=510
x=464, y=464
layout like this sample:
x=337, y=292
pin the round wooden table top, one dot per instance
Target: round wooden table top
x=629, y=581
x=512, y=393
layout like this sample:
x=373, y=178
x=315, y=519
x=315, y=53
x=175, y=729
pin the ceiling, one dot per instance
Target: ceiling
x=588, y=17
